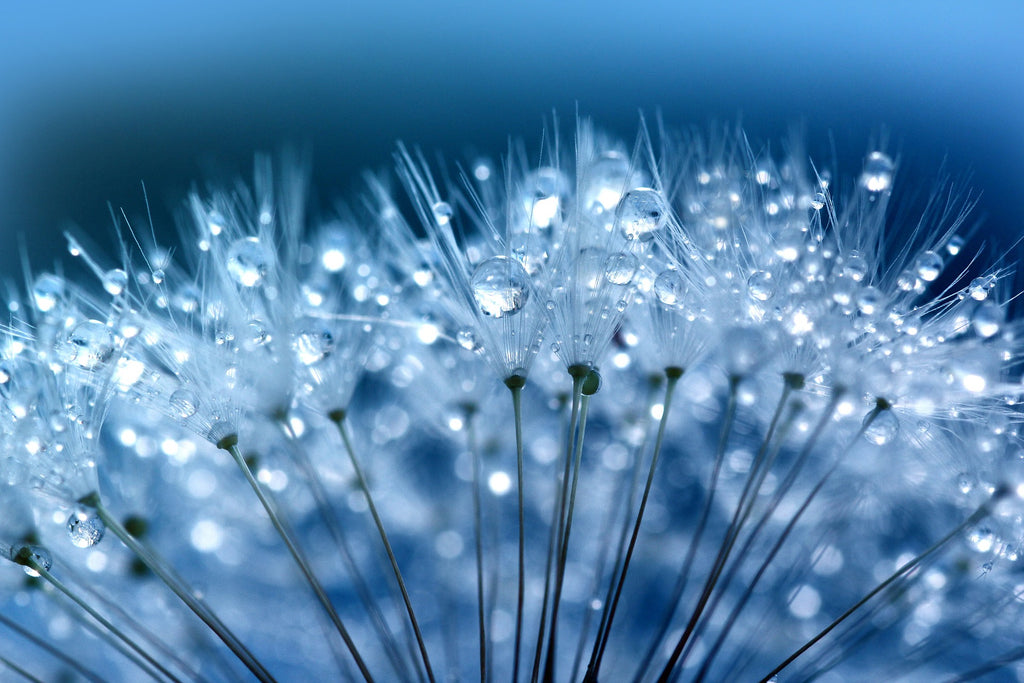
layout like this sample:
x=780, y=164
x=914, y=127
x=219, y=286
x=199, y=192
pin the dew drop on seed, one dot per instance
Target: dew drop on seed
x=114, y=281
x=928, y=266
x=442, y=213
x=869, y=301
x=89, y=344
x=620, y=268
x=979, y=287
x=670, y=288
x=312, y=346
x=248, y=261
x=907, y=281
x=184, y=403
x=500, y=286
x=855, y=266
x=964, y=483
x=818, y=202
x=761, y=285
x=640, y=213
x=467, y=340
x=954, y=245
x=878, y=172
x=605, y=181
x=40, y=555
x=882, y=429
x=159, y=276
x=47, y=292
x=986, y=319
x=85, y=528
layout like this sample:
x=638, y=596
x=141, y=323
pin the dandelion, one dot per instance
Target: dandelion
x=763, y=428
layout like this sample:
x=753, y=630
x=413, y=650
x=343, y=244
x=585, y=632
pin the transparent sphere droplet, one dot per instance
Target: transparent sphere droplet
x=869, y=301
x=855, y=266
x=467, y=340
x=36, y=554
x=312, y=346
x=907, y=281
x=605, y=181
x=965, y=483
x=882, y=429
x=761, y=285
x=954, y=245
x=670, y=288
x=818, y=201
x=248, y=261
x=987, y=318
x=159, y=276
x=90, y=343
x=928, y=266
x=980, y=286
x=500, y=286
x=640, y=213
x=620, y=268
x=442, y=213
x=114, y=281
x=184, y=403
x=878, y=172
x=47, y=292
x=85, y=528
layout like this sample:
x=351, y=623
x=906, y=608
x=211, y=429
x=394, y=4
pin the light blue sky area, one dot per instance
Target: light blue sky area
x=98, y=96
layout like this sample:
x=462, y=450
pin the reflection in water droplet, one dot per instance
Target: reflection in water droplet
x=248, y=261
x=500, y=286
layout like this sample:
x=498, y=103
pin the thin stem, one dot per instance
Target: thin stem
x=478, y=537
x=50, y=649
x=231, y=446
x=517, y=411
x=330, y=520
x=157, y=565
x=29, y=562
x=672, y=376
x=18, y=670
x=979, y=514
x=339, y=420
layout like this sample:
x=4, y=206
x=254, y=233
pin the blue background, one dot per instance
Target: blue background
x=98, y=96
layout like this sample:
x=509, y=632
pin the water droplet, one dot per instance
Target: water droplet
x=965, y=483
x=954, y=245
x=855, y=266
x=605, y=181
x=47, y=292
x=37, y=554
x=878, y=172
x=980, y=286
x=442, y=213
x=158, y=276
x=869, y=301
x=467, y=340
x=640, y=213
x=761, y=285
x=882, y=429
x=312, y=346
x=987, y=318
x=85, y=528
x=620, y=268
x=907, y=281
x=248, y=261
x=670, y=288
x=114, y=281
x=501, y=286
x=89, y=344
x=258, y=335
x=184, y=403
x=818, y=202
x=928, y=266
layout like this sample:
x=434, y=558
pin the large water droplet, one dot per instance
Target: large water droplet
x=882, y=429
x=184, y=403
x=89, y=344
x=928, y=266
x=954, y=245
x=85, y=528
x=313, y=345
x=34, y=553
x=640, y=213
x=500, y=286
x=604, y=182
x=114, y=281
x=855, y=266
x=877, y=174
x=620, y=268
x=670, y=288
x=869, y=301
x=47, y=292
x=761, y=285
x=248, y=261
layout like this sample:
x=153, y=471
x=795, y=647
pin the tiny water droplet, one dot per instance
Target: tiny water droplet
x=47, y=292
x=818, y=202
x=761, y=285
x=158, y=276
x=114, y=281
x=882, y=429
x=855, y=266
x=869, y=301
x=312, y=346
x=184, y=403
x=640, y=213
x=467, y=340
x=928, y=266
x=954, y=245
x=90, y=343
x=620, y=268
x=500, y=286
x=670, y=288
x=878, y=172
x=987, y=318
x=85, y=528
x=442, y=213
x=248, y=261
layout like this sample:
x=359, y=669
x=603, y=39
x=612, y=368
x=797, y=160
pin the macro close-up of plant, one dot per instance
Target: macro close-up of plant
x=686, y=407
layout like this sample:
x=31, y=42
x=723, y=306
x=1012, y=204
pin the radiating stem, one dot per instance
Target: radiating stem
x=50, y=649
x=18, y=670
x=338, y=417
x=983, y=511
x=515, y=384
x=474, y=452
x=24, y=557
x=672, y=376
x=230, y=444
